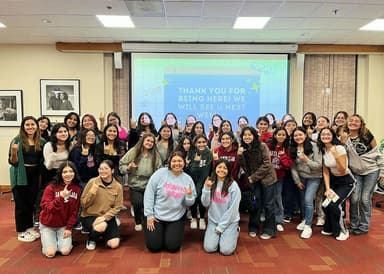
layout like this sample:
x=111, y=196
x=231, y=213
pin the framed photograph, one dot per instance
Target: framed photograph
x=11, y=108
x=58, y=97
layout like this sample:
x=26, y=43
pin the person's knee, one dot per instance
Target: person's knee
x=154, y=248
x=210, y=248
x=50, y=252
x=226, y=251
x=173, y=247
x=113, y=243
x=65, y=251
x=101, y=227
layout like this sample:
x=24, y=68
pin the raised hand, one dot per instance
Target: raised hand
x=15, y=147
x=208, y=183
x=65, y=192
x=240, y=150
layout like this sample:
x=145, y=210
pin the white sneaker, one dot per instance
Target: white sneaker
x=193, y=223
x=25, y=237
x=118, y=222
x=307, y=232
x=320, y=221
x=301, y=225
x=132, y=212
x=33, y=232
x=202, y=225
x=90, y=245
x=326, y=233
x=139, y=227
x=265, y=236
x=343, y=236
x=279, y=227
x=252, y=234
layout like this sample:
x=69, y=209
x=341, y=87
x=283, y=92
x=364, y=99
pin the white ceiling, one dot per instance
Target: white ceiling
x=293, y=21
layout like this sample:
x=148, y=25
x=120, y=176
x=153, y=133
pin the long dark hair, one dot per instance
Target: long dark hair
x=308, y=149
x=53, y=137
x=140, y=127
x=274, y=141
x=45, y=134
x=138, y=148
x=335, y=141
x=59, y=175
x=117, y=142
x=24, y=136
x=254, y=147
x=314, y=120
x=227, y=181
x=82, y=139
x=69, y=115
x=170, y=141
x=193, y=134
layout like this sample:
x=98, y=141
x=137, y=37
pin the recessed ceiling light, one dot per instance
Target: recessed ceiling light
x=2, y=25
x=250, y=22
x=46, y=21
x=116, y=21
x=375, y=25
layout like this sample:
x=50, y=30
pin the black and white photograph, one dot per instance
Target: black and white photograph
x=11, y=108
x=58, y=97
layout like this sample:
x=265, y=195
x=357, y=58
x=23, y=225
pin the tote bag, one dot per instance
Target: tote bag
x=354, y=161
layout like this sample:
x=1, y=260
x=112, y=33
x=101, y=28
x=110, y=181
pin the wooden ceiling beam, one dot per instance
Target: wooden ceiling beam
x=329, y=48
x=88, y=47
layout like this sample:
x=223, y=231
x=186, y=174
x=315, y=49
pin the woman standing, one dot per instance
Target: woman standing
x=255, y=160
x=26, y=158
x=114, y=119
x=170, y=120
x=110, y=148
x=59, y=209
x=228, y=151
x=364, y=143
x=168, y=194
x=281, y=161
x=309, y=122
x=307, y=174
x=101, y=201
x=262, y=125
x=340, y=120
x=145, y=125
x=222, y=195
x=140, y=162
x=165, y=143
x=199, y=168
x=89, y=121
x=338, y=180
x=45, y=127
x=72, y=120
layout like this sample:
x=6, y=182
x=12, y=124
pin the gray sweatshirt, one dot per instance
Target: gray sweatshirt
x=313, y=168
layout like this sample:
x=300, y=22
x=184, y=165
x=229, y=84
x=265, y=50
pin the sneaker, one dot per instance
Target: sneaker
x=132, y=212
x=139, y=227
x=301, y=225
x=83, y=231
x=265, y=236
x=25, y=237
x=33, y=232
x=307, y=232
x=320, y=221
x=279, y=227
x=78, y=226
x=193, y=223
x=343, y=236
x=36, y=224
x=358, y=232
x=287, y=219
x=202, y=225
x=252, y=234
x=326, y=233
x=90, y=245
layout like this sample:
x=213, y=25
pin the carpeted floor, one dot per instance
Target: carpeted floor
x=287, y=253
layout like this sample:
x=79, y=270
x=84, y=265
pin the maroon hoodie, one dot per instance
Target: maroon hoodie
x=280, y=162
x=57, y=212
x=231, y=157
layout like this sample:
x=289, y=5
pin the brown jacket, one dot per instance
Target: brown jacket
x=106, y=202
x=258, y=170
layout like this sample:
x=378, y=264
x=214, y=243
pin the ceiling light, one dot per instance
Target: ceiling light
x=375, y=25
x=116, y=21
x=2, y=25
x=250, y=22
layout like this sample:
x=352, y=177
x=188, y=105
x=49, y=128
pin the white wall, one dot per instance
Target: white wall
x=22, y=67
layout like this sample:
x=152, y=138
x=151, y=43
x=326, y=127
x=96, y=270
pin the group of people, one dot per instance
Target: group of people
x=70, y=176
x=59, y=101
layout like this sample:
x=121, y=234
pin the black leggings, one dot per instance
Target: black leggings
x=25, y=197
x=167, y=235
x=137, y=200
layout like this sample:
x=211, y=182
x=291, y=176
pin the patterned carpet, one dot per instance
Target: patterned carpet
x=287, y=253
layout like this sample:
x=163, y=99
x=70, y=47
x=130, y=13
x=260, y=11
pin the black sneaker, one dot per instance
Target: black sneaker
x=78, y=226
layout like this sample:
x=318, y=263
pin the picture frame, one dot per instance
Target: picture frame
x=11, y=108
x=59, y=96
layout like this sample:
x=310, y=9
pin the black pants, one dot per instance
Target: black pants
x=167, y=235
x=111, y=232
x=46, y=177
x=262, y=198
x=342, y=186
x=137, y=200
x=25, y=197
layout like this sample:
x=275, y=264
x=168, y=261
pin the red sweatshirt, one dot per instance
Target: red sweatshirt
x=57, y=212
x=280, y=162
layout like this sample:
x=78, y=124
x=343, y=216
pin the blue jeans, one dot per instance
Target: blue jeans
x=226, y=242
x=279, y=209
x=52, y=238
x=361, y=201
x=307, y=196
